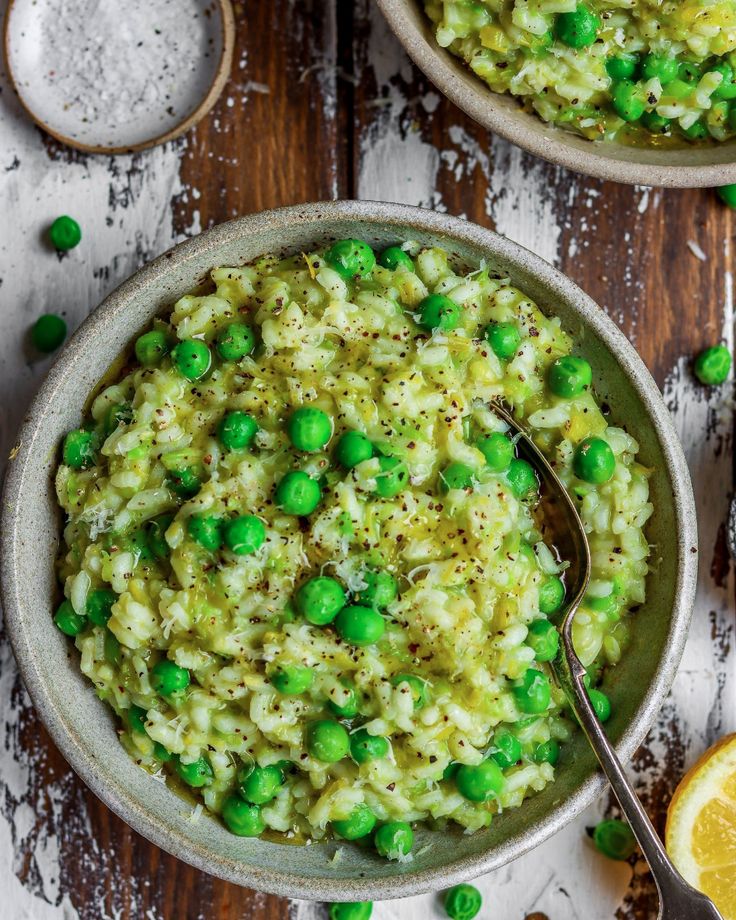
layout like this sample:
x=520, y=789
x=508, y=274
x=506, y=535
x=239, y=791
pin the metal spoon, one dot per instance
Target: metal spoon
x=678, y=900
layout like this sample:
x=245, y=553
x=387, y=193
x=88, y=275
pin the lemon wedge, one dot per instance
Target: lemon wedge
x=701, y=826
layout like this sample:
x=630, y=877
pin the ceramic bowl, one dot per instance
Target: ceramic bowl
x=83, y=727
x=688, y=167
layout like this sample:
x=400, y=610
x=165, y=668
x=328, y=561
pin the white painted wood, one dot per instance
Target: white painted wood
x=124, y=206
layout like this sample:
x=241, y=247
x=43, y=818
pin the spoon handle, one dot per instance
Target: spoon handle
x=678, y=900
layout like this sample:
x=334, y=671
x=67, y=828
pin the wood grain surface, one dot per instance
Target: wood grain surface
x=322, y=103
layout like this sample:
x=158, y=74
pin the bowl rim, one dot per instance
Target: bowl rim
x=117, y=797
x=548, y=141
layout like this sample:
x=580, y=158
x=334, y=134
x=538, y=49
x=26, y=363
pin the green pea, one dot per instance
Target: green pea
x=463, y=902
x=359, y=625
x=320, y=599
x=689, y=72
x=601, y=704
x=450, y=771
x=504, y=339
x=235, y=342
x=622, y=66
x=327, y=741
x=656, y=124
x=99, y=606
x=196, y=774
x=65, y=233
x=394, y=839
x=205, y=530
x=365, y=747
x=68, y=620
x=498, y=450
x=506, y=749
x=380, y=589
x=298, y=493
x=350, y=910
x=244, y=535
x=137, y=717
x=291, y=679
x=395, y=258
x=353, y=448
x=713, y=365
x=539, y=44
x=679, y=89
x=160, y=753
x=594, y=461
x=111, y=648
x=359, y=823
x=185, y=482
x=628, y=101
x=351, y=258
x=242, y=818
x=349, y=706
x=731, y=123
x=480, y=782
x=119, y=414
x=569, y=376
x=192, y=358
x=698, y=131
x=543, y=639
x=551, y=595
x=79, y=449
x=155, y=531
x=237, y=430
x=48, y=332
x=392, y=478
x=167, y=678
x=151, y=347
x=659, y=67
x=456, y=476
x=418, y=687
x=532, y=693
x=522, y=479
x=727, y=194
x=727, y=88
x=259, y=785
x=309, y=429
x=548, y=752
x=439, y=312
x=614, y=839
x=579, y=28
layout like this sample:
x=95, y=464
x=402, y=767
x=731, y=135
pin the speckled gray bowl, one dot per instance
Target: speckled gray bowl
x=82, y=726
x=690, y=167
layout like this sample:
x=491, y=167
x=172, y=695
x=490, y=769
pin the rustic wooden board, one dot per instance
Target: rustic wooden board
x=322, y=103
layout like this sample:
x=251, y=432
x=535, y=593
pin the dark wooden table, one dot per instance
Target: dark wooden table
x=323, y=104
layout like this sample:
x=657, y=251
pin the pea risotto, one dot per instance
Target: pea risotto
x=642, y=72
x=304, y=565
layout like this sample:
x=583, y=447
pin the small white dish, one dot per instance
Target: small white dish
x=107, y=77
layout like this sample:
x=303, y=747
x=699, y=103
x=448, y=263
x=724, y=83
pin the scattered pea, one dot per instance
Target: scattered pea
x=614, y=839
x=65, y=233
x=713, y=365
x=151, y=347
x=291, y=679
x=68, y=620
x=479, y=782
x=99, y=606
x=395, y=258
x=351, y=910
x=578, y=28
x=456, y=476
x=532, y=693
x=393, y=477
x=498, y=450
x=192, y=358
x=237, y=430
x=48, y=332
x=235, y=342
x=380, y=589
x=365, y=747
x=206, y=531
x=196, y=774
x=462, y=902
x=353, y=448
x=504, y=339
x=543, y=639
x=258, y=785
